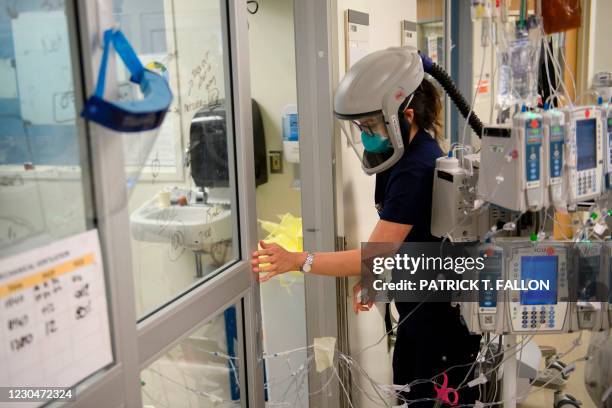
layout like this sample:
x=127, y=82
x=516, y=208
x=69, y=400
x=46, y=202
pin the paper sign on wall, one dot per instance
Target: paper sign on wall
x=357, y=36
x=54, y=328
x=409, y=33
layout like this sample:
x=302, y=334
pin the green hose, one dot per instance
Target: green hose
x=523, y=14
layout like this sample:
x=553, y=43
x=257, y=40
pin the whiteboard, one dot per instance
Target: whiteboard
x=43, y=67
x=54, y=327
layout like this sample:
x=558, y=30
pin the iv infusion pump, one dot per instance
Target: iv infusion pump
x=454, y=194
x=512, y=160
x=515, y=311
x=585, y=150
x=587, y=271
x=554, y=150
x=572, y=301
x=546, y=310
x=551, y=158
x=484, y=313
x=608, y=269
x=608, y=149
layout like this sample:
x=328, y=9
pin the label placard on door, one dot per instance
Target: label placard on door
x=54, y=327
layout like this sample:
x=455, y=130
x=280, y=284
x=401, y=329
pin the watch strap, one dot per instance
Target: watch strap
x=307, y=266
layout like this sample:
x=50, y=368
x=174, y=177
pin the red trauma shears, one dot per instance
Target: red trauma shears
x=444, y=393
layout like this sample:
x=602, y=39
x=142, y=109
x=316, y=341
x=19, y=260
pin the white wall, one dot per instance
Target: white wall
x=273, y=86
x=355, y=191
x=602, y=59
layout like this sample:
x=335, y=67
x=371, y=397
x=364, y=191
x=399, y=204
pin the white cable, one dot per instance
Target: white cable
x=210, y=396
x=562, y=53
x=535, y=388
x=284, y=353
x=559, y=74
x=380, y=390
x=467, y=118
x=392, y=328
x=548, y=57
x=348, y=397
x=587, y=92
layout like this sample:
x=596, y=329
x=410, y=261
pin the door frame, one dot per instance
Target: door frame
x=316, y=69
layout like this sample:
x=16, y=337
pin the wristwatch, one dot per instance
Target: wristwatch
x=308, y=263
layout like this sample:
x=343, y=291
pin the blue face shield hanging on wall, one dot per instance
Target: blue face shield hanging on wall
x=128, y=116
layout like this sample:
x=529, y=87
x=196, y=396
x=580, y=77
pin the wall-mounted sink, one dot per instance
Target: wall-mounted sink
x=199, y=227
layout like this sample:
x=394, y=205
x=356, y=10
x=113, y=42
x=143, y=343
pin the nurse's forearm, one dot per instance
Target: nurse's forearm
x=348, y=263
x=343, y=263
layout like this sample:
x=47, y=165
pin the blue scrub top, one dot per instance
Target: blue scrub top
x=403, y=192
x=422, y=350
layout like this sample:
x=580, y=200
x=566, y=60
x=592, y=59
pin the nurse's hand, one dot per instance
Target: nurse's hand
x=357, y=305
x=272, y=260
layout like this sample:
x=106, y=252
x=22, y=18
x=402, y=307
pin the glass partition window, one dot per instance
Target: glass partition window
x=200, y=371
x=43, y=193
x=181, y=179
x=54, y=327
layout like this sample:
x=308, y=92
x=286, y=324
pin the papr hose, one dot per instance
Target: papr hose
x=438, y=73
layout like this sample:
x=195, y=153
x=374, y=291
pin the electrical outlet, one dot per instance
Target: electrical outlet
x=276, y=161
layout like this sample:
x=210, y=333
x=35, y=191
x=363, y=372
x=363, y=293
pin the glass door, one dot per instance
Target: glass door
x=189, y=204
x=183, y=214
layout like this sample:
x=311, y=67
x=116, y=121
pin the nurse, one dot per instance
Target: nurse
x=390, y=115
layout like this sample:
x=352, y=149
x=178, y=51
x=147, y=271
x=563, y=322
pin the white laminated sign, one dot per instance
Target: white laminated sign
x=54, y=327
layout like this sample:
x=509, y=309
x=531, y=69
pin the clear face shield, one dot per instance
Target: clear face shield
x=369, y=137
x=139, y=109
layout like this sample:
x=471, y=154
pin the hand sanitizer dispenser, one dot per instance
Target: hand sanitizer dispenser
x=291, y=134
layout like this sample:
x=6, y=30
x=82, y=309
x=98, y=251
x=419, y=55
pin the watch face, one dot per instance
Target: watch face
x=306, y=268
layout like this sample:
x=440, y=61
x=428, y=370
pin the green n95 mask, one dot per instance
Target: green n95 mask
x=375, y=143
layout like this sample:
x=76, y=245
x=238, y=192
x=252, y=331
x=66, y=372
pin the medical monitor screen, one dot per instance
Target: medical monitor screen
x=491, y=272
x=588, y=271
x=586, y=144
x=610, y=280
x=539, y=268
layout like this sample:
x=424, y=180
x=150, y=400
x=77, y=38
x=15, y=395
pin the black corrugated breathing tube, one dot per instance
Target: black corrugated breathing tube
x=440, y=75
